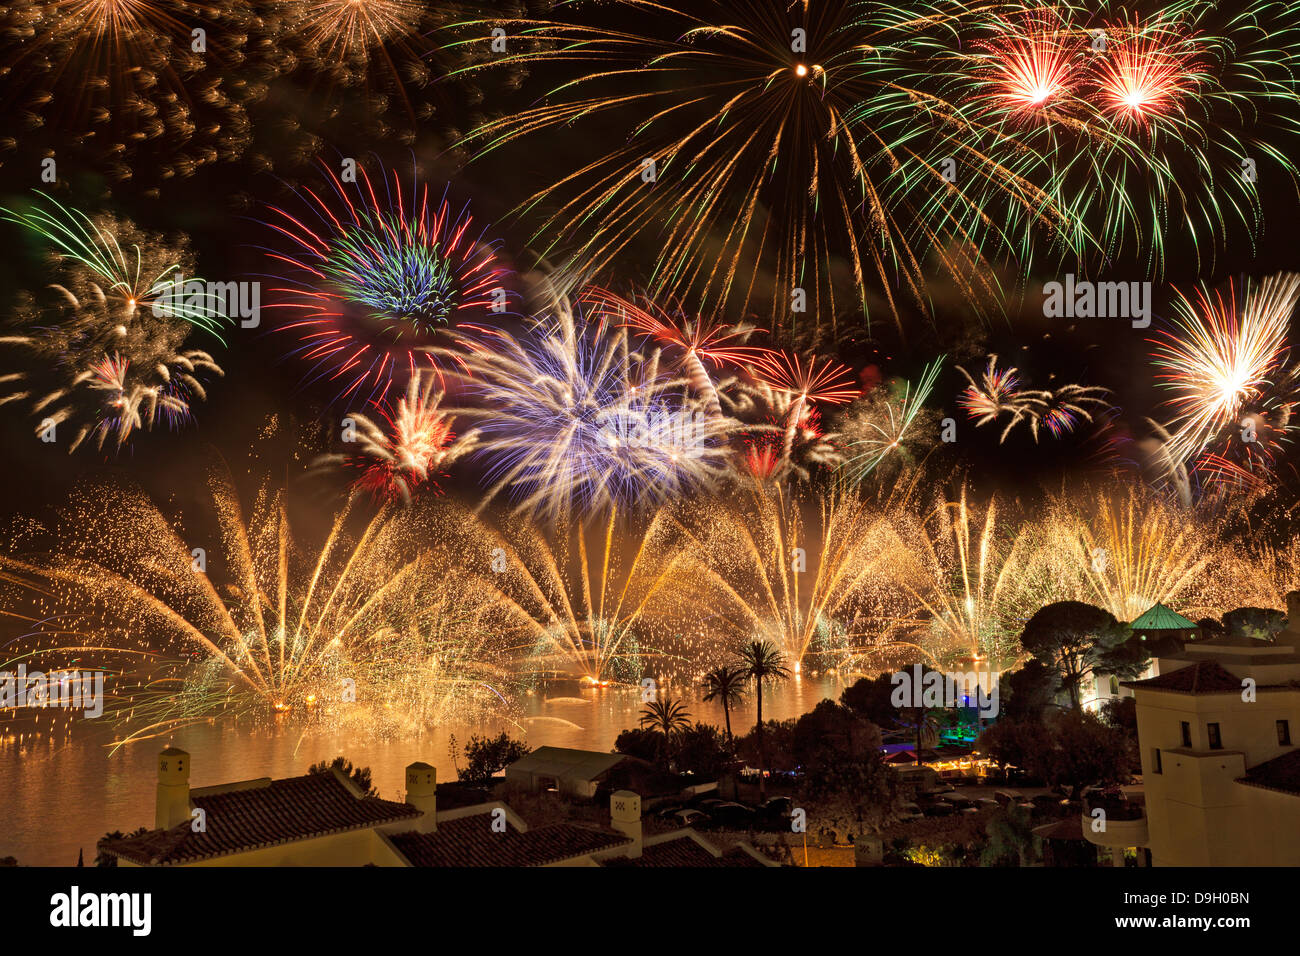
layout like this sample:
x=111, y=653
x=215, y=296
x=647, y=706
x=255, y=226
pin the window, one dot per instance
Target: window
x=1284, y=733
x=1156, y=765
x=1114, y=686
x=1216, y=741
x=1187, y=733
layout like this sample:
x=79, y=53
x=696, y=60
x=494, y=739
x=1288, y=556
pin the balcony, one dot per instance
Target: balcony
x=1124, y=824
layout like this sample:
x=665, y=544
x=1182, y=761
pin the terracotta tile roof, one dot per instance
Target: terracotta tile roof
x=277, y=812
x=684, y=851
x=470, y=841
x=1203, y=677
x=1281, y=773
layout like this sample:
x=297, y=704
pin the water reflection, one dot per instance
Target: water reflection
x=58, y=798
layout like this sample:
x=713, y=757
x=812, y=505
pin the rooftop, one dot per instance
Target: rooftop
x=684, y=850
x=262, y=813
x=1160, y=618
x=566, y=763
x=1281, y=774
x=471, y=841
x=1203, y=677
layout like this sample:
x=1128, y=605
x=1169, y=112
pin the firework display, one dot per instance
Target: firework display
x=1226, y=363
x=998, y=392
x=121, y=80
x=375, y=271
x=418, y=439
x=867, y=140
x=574, y=421
x=113, y=341
x=445, y=381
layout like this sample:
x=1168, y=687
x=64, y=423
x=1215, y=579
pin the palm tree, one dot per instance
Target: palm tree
x=761, y=661
x=667, y=717
x=726, y=684
x=924, y=726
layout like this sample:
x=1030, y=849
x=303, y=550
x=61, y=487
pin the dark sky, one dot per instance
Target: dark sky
x=218, y=206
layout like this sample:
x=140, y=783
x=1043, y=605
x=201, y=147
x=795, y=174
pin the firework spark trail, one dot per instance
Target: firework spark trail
x=125, y=78
x=807, y=386
x=586, y=599
x=375, y=277
x=1222, y=357
x=998, y=392
x=573, y=422
x=112, y=343
x=889, y=437
x=767, y=414
x=1124, y=549
x=698, y=339
x=1147, y=72
x=1123, y=119
x=968, y=582
x=813, y=586
x=418, y=441
x=142, y=279
x=774, y=169
x=284, y=625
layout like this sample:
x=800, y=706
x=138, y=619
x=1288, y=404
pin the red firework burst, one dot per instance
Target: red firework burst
x=821, y=381
x=1032, y=63
x=1145, y=73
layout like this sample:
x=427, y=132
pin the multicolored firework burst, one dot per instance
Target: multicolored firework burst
x=1030, y=63
x=1132, y=121
x=150, y=276
x=777, y=445
x=574, y=423
x=998, y=392
x=696, y=339
x=824, y=147
x=112, y=343
x=418, y=441
x=756, y=165
x=1148, y=71
x=378, y=270
x=807, y=385
x=1225, y=361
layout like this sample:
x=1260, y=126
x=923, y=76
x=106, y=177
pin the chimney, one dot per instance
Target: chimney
x=173, y=789
x=422, y=793
x=625, y=817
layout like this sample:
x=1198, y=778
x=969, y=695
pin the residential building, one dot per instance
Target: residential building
x=1217, y=730
x=325, y=819
x=575, y=773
